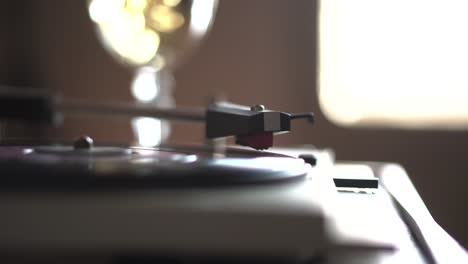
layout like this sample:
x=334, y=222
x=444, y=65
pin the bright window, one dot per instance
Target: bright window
x=400, y=63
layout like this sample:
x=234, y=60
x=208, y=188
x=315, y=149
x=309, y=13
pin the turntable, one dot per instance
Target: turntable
x=81, y=201
x=191, y=201
x=205, y=203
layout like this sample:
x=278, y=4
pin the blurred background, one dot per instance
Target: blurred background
x=257, y=52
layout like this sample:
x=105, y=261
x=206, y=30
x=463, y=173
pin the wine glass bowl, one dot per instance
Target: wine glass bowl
x=154, y=33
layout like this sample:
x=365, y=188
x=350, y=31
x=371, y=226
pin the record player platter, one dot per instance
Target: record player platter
x=68, y=167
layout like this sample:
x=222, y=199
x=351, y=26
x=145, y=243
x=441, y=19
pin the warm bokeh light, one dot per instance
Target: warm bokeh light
x=103, y=11
x=148, y=131
x=151, y=33
x=136, y=6
x=394, y=62
x=171, y=3
x=123, y=26
x=202, y=13
x=165, y=19
x=145, y=86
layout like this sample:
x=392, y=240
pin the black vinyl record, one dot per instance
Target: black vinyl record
x=66, y=168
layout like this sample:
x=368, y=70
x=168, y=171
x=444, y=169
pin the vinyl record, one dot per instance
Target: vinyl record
x=66, y=168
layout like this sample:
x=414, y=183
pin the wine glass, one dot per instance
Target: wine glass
x=152, y=37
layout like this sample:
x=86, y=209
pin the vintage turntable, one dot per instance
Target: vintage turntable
x=207, y=203
x=84, y=202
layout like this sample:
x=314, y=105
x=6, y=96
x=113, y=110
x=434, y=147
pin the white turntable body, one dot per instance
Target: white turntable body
x=298, y=219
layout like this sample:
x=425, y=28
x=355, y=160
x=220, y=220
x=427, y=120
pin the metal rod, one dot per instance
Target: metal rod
x=25, y=100
x=309, y=116
x=129, y=110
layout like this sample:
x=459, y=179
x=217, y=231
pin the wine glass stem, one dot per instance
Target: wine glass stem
x=155, y=88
